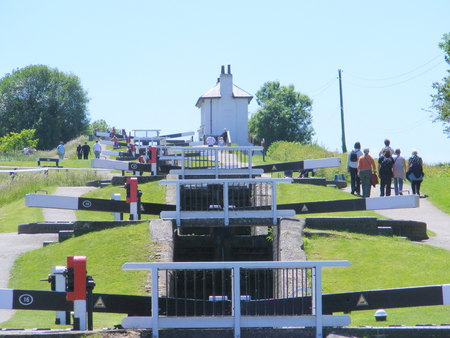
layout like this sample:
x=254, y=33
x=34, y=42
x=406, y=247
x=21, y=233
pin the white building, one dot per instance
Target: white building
x=225, y=106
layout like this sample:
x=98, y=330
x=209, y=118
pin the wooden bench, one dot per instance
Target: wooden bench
x=40, y=159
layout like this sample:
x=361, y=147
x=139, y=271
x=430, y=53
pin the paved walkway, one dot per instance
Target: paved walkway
x=436, y=220
x=14, y=245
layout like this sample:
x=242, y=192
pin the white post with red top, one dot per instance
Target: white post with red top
x=132, y=196
x=152, y=158
x=76, y=289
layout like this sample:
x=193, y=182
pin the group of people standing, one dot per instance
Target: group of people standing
x=83, y=151
x=391, y=165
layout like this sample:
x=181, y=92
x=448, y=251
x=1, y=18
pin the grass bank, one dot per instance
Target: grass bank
x=380, y=262
x=106, y=251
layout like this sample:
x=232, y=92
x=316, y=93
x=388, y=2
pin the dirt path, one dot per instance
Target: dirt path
x=13, y=245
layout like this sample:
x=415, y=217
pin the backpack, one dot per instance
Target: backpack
x=353, y=156
x=386, y=164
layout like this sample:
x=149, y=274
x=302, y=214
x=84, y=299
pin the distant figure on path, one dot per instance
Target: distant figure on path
x=224, y=135
x=61, y=150
x=97, y=149
x=352, y=164
x=387, y=143
x=385, y=165
x=80, y=152
x=210, y=141
x=399, y=171
x=86, y=150
x=366, y=165
x=415, y=172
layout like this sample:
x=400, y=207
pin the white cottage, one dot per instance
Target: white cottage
x=225, y=106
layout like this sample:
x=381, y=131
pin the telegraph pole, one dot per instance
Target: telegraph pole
x=344, y=147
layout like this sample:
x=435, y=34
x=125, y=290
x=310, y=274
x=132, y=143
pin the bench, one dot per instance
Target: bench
x=40, y=159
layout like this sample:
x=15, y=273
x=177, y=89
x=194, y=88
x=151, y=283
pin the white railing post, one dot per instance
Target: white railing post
x=236, y=300
x=249, y=155
x=226, y=204
x=216, y=161
x=155, y=305
x=178, y=203
x=274, y=202
x=317, y=294
x=182, y=163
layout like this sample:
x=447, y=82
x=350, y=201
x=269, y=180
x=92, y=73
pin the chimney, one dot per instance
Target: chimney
x=226, y=83
x=222, y=71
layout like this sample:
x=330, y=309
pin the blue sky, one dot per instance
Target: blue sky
x=145, y=63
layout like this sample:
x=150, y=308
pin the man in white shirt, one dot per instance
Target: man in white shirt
x=97, y=149
x=210, y=141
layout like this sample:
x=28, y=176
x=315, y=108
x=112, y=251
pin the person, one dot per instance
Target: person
x=224, y=135
x=210, y=141
x=86, y=150
x=399, y=172
x=305, y=173
x=116, y=142
x=366, y=165
x=385, y=165
x=352, y=163
x=61, y=150
x=387, y=143
x=79, y=151
x=26, y=150
x=221, y=141
x=415, y=172
x=97, y=149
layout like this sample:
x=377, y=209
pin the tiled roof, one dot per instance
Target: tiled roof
x=214, y=93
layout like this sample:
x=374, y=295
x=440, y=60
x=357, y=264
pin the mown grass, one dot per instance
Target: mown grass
x=15, y=213
x=106, y=251
x=436, y=185
x=382, y=262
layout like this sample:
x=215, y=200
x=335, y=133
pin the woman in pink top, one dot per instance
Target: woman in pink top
x=366, y=165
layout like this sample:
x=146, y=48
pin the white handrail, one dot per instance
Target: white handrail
x=236, y=320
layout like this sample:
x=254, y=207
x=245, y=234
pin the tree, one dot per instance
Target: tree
x=441, y=99
x=100, y=125
x=47, y=100
x=13, y=142
x=284, y=115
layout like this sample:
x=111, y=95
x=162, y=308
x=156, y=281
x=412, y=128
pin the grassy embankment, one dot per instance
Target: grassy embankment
x=377, y=262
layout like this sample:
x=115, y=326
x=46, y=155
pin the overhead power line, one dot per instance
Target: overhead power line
x=396, y=83
x=399, y=75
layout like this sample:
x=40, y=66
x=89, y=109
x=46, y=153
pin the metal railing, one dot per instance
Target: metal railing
x=210, y=160
x=235, y=295
x=225, y=199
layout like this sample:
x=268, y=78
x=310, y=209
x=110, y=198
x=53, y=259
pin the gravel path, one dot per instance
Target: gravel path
x=13, y=245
